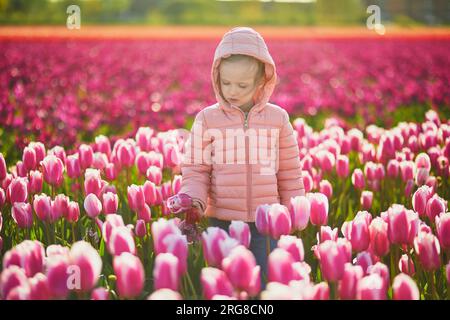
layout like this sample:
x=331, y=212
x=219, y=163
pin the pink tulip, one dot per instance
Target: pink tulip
x=294, y=246
x=358, y=179
x=407, y=169
x=36, y=181
x=326, y=160
x=342, y=166
x=393, y=168
x=300, y=210
x=326, y=188
x=150, y=193
x=126, y=154
x=215, y=282
x=53, y=170
x=176, y=183
x=42, y=205
x=442, y=229
x=160, y=229
x=73, y=212
x=3, y=170
x=348, y=284
x=404, y=288
x=58, y=273
x=92, y=205
x=366, y=199
x=319, y=208
x=280, y=267
x=143, y=138
x=279, y=220
x=93, y=182
x=406, y=265
x=73, y=166
x=130, y=275
x=156, y=158
x=165, y=294
x=364, y=260
x=18, y=190
x=166, y=272
x=240, y=231
x=110, y=172
x=379, y=239
x=2, y=197
x=60, y=206
x=177, y=245
x=307, y=181
x=38, y=287
x=211, y=242
x=371, y=287
x=111, y=221
x=22, y=215
x=357, y=231
x=136, y=198
x=103, y=145
x=240, y=267
x=172, y=156
x=154, y=174
x=403, y=224
x=142, y=162
x=121, y=240
x=326, y=233
x=21, y=171
x=427, y=247
x=262, y=219
x=166, y=189
x=29, y=158
x=86, y=156
x=87, y=259
x=420, y=199
x=435, y=206
x=332, y=260
x=422, y=176
x=11, y=278
x=100, y=294
x=31, y=256
x=110, y=203
x=141, y=228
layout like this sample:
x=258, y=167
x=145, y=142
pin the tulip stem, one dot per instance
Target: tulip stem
x=73, y=233
x=267, y=246
x=191, y=285
x=333, y=295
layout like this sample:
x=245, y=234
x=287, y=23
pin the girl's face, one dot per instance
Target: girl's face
x=237, y=82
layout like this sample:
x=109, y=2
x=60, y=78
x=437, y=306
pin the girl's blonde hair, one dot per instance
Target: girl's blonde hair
x=260, y=74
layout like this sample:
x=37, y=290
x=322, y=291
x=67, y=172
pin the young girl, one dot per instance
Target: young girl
x=228, y=180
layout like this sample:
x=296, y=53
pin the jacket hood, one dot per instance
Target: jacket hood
x=244, y=40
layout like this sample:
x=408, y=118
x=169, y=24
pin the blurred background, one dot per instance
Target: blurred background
x=227, y=12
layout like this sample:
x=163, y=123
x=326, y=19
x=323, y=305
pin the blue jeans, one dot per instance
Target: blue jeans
x=257, y=245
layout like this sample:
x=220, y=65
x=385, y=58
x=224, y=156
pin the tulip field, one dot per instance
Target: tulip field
x=92, y=138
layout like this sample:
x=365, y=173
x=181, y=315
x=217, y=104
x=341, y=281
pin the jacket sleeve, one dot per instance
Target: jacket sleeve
x=289, y=175
x=196, y=162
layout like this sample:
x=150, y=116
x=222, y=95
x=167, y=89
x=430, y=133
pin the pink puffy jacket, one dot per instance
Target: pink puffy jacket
x=226, y=176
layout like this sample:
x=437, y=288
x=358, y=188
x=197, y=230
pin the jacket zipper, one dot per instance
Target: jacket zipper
x=249, y=173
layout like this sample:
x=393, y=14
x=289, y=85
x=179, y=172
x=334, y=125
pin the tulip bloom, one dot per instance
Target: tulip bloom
x=326, y=188
x=154, y=174
x=42, y=205
x=443, y=229
x=18, y=190
x=420, y=199
x=427, y=247
x=300, y=210
x=140, y=228
x=358, y=179
x=92, y=205
x=136, y=198
x=11, y=278
x=366, y=199
x=73, y=166
x=403, y=224
x=130, y=275
x=58, y=273
x=435, y=206
x=262, y=219
x=29, y=158
x=53, y=170
x=379, y=239
x=166, y=272
x=393, y=168
x=342, y=166
x=36, y=180
x=38, y=287
x=405, y=288
x=121, y=240
x=110, y=203
x=371, y=287
x=73, y=212
x=215, y=282
x=100, y=294
x=162, y=228
x=280, y=267
x=349, y=282
x=279, y=220
x=3, y=169
x=294, y=246
x=86, y=156
x=357, y=231
x=332, y=260
x=211, y=240
x=240, y=267
x=22, y=215
x=60, y=206
x=177, y=245
x=240, y=231
x=87, y=259
x=319, y=208
x=406, y=265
